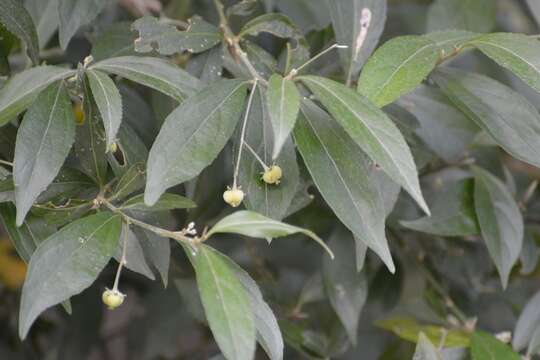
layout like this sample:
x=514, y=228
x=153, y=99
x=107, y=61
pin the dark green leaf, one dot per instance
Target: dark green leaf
x=23, y=88
x=249, y=223
x=397, y=67
x=506, y=115
x=44, y=140
x=530, y=253
x=347, y=288
x=130, y=150
x=425, y=350
x=166, y=39
x=157, y=251
x=155, y=73
x=19, y=22
x=45, y=16
x=193, y=135
x=66, y=263
x=500, y=220
x=135, y=260
x=535, y=9
x=226, y=304
x=207, y=66
x=116, y=40
x=472, y=15
x=166, y=202
x=342, y=174
x=452, y=212
x=372, y=130
x=357, y=24
x=275, y=24
x=283, y=104
x=486, y=347
x=108, y=101
x=74, y=14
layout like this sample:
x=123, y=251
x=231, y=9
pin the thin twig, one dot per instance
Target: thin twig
x=256, y=156
x=6, y=163
x=295, y=71
x=123, y=259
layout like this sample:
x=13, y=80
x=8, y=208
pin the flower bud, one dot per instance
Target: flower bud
x=233, y=197
x=112, y=298
x=272, y=175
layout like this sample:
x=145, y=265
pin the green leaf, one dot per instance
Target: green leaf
x=486, y=347
x=108, y=101
x=517, y=52
x=527, y=323
x=166, y=39
x=135, y=260
x=74, y=14
x=132, y=180
x=534, y=345
x=130, y=150
x=252, y=224
x=347, y=289
x=358, y=24
x=45, y=16
x=506, y=115
x=155, y=73
x=116, y=40
x=23, y=88
x=274, y=23
x=193, y=135
x=472, y=15
x=270, y=200
x=167, y=201
x=445, y=129
x=19, y=22
x=425, y=350
x=66, y=263
x=157, y=251
x=372, y=130
x=342, y=174
x=452, y=212
x=208, y=66
x=283, y=105
x=449, y=40
x=397, y=67
x=268, y=332
x=43, y=142
x=226, y=304
x=501, y=222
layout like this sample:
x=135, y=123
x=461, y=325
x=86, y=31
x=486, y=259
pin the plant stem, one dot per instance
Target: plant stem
x=243, y=134
x=6, y=163
x=123, y=259
x=295, y=71
x=265, y=167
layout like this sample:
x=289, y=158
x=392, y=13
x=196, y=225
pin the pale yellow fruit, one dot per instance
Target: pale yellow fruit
x=272, y=175
x=233, y=197
x=112, y=298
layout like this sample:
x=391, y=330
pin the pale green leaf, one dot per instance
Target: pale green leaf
x=283, y=104
x=19, y=22
x=66, y=263
x=193, y=135
x=500, y=219
x=43, y=142
x=252, y=224
x=484, y=346
x=449, y=41
x=425, y=350
x=372, y=130
x=74, y=14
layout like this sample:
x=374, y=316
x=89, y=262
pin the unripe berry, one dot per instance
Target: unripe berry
x=233, y=197
x=112, y=298
x=78, y=112
x=272, y=175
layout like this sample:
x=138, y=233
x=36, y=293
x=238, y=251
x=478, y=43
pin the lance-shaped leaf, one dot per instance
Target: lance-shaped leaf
x=226, y=304
x=22, y=89
x=425, y=350
x=43, y=142
x=193, y=135
x=527, y=323
x=66, y=263
x=166, y=202
x=449, y=40
x=274, y=23
x=485, y=346
x=341, y=172
x=506, y=115
x=268, y=332
x=45, y=16
x=157, y=251
x=19, y=22
x=252, y=224
x=135, y=259
x=108, y=101
x=372, y=130
x=397, y=67
x=155, y=73
x=452, y=212
x=74, y=14
x=472, y=15
x=517, y=52
x=267, y=199
x=132, y=180
x=166, y=39
x=283, y=104
x=347, y=289
x=501, y=222
x=358, y=24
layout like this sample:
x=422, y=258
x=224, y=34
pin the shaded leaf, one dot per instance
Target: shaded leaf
x=44, y=140
x=157, y=251
x=135, y=260
x=397, y=67
x=252, y=224
x=116, y=40
x=19, y=22
x=372, y=130
x=276, y=24
x=527, y=323
x=207, y=66
x=535, y=9
x=66, y=263
x=45, y=16
x=486, y=347
x=193, y=135
x=500, y=220
x=74, y=14
x=132, y=180
x=167, y=201
x=472, y=15
x=530, y=252
x=506, y=115
x=341, y=173
x=425, y=350
x=155, y=73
